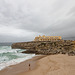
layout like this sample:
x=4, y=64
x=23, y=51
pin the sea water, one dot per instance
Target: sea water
x=9, y=56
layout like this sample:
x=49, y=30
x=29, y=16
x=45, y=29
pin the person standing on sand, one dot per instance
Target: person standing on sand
x=29, y=66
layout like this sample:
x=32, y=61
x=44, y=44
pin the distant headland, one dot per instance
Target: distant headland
x=47, y=45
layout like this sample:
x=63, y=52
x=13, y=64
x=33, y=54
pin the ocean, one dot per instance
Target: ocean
x=9, y=56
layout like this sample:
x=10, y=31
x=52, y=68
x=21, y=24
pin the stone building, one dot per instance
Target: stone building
x=47, y=38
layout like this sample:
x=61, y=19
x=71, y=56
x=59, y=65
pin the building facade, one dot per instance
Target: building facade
x=47, y=38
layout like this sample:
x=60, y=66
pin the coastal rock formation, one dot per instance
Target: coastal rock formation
x=47, y=47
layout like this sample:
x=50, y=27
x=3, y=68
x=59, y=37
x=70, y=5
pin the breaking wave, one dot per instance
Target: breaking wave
x=10, y=56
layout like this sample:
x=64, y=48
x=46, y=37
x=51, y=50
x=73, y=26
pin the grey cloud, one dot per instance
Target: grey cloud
x=56, y=17
x=72, y=12
x=6, y=38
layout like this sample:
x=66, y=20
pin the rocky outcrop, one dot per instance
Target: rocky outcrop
x=47, y=47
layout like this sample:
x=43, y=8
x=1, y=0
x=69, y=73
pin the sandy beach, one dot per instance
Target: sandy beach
x=43, y=65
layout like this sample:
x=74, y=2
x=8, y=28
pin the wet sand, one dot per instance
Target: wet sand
x=21, y=67
x=45, y=65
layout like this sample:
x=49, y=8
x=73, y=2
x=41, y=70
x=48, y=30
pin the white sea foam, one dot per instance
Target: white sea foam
x=4, y=59
x=15, y=61
x=10, y=56
x=6, y=51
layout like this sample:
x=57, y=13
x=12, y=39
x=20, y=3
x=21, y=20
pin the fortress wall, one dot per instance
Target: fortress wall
x=47, y=38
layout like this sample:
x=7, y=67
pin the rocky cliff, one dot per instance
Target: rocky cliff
x=47, y=47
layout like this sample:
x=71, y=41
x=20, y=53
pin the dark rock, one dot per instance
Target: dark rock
x=71, y=53
x=47, y=47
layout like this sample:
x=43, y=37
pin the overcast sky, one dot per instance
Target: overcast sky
x=22, y=20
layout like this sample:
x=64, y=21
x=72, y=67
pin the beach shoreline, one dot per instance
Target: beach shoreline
x=17, y=68
x=43, y=65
